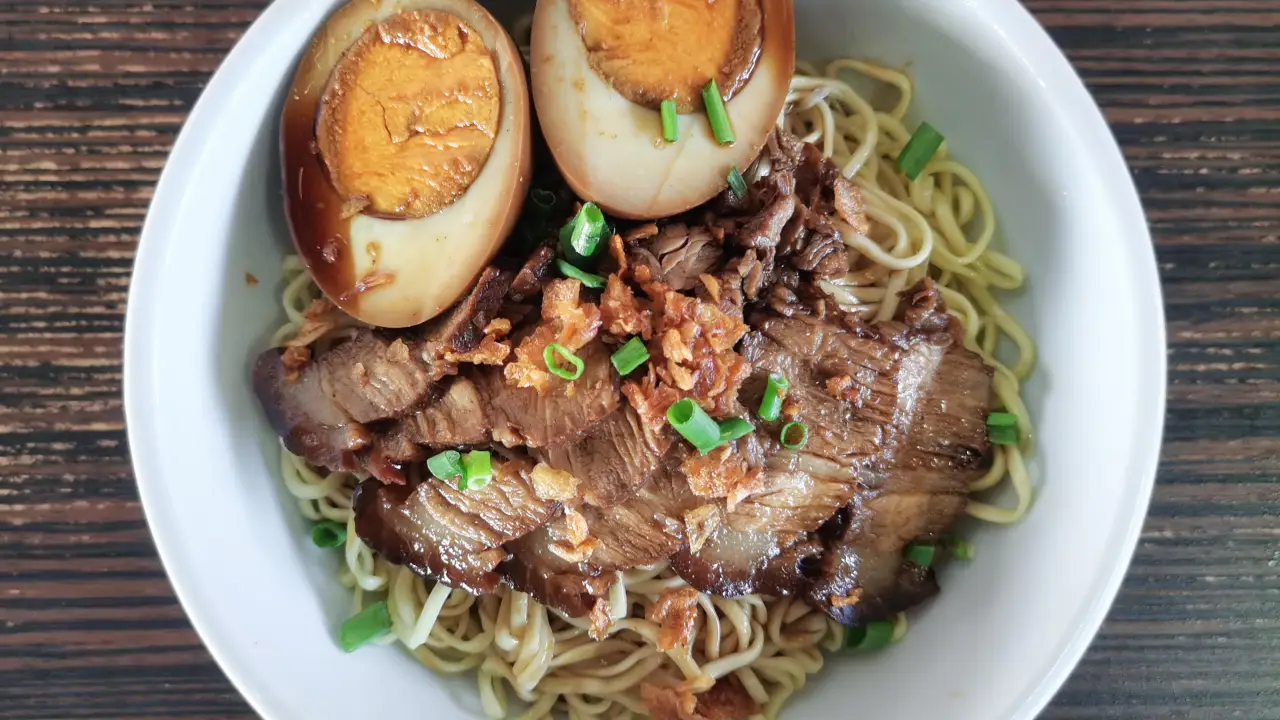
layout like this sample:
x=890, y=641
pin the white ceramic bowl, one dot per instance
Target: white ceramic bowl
x=1007, y=629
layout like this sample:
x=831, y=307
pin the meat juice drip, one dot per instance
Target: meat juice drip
x=312, y=206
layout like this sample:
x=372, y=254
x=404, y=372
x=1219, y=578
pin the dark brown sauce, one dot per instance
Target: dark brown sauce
x=313, y=207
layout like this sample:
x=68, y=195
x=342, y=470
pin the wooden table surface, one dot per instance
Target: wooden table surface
x=92, y=95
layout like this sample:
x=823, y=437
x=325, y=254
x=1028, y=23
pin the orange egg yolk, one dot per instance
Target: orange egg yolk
x=654, y=50
x=410, y=115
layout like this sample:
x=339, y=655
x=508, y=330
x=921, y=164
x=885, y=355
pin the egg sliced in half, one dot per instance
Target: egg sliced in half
x=600, y=70
x=405, y=151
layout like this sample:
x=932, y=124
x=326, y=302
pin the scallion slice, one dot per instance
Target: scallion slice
x=716, y=114
x=1003, y=435
x=774, y=392
x=1002, y=419
x=630, y=356
x=580, y=238
x=477, y=470
x=788, y=435
x=591, y=280
x=922, y=554
x=670, y=123
x=549, y=357
x=734, y=428
x=445, y=465
x=875, y=635
x=962, y=550
x=1002, y=428
x=919, y=150
x=328, y=534
x=737, y=183
x=694, y=424
x=365, y=626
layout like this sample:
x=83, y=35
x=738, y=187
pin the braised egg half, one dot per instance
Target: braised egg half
x=602, y=69
x=406, y=157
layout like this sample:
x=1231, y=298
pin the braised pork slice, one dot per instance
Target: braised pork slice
x=572, y=587
x=896, y=416
x=321, y=409
x=305, y=415
x=921, y=485
x=649, y=526
x=532, y=275
x=461, y=329
x=677, y=255
x=523, y=416
x=479, y=406
x=372, y=377
x=732, y=563
x=445, y=533
x=613, y=459
x=644, y=529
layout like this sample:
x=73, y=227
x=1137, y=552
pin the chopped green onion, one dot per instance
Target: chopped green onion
x=694, y=424
x=922, y=554
x=962, y=550
x=716, y=114
x=580, y=238
x=328, y=534
x=1002, y=428
x=477, y=470
x=737, y=183
x=1002, y=419
x=543, y=199
x=630, y=356
x=875, y=635
x=549, y=357
x=790, y=430
x=734, y=428
x=445, y=465
x=1003, y=435
x=774, y=392
x=670, y=126
x=919, y=150
x=365, y=626
x=591, y=280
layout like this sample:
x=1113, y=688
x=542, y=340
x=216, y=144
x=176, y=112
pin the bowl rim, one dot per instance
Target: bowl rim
x=1023, y=32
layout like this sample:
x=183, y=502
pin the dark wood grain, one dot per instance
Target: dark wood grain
x=93, y=94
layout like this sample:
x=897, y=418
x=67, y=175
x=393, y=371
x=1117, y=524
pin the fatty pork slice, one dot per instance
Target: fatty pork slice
x=321, y=409
x=452, y=535
x=844, y=385
x=643, y=529
x=920, y=487
x=612, y=460
x=479, y=407
x=916, y=495
x=561, y=583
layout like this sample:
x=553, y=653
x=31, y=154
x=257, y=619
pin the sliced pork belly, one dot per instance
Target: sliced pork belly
x=442, y=532
x=612, y=460
x=798, y=490
x=479, y=406
x=897, y=430
x=644, y=529
x=733, y=562
x=647, y=527
x=321, y=409
x=677, y=255
x=919, y=489
x=570, y=587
